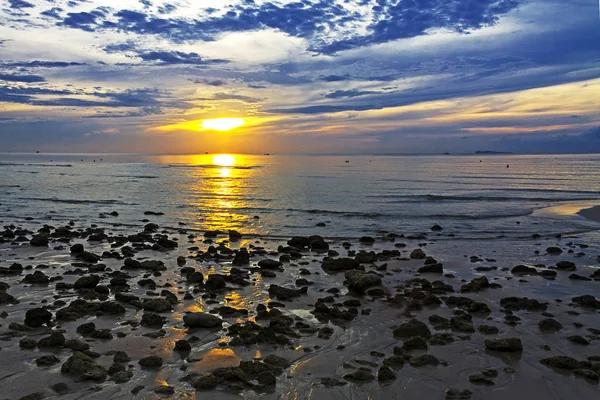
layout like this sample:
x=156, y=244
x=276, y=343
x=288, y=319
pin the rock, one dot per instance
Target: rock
x=60, y=387
x=360, y=281
x=476, y=285
x=587, y=301
x=587, y=374
x=366, y=240
x=577, y=277
x=504, y=344
x=339, y=264
x=206, y=382
x=215, y=282
x=385, y=374
x=576, y=339
x=123, y=377
x=439, y=323
x=415, y=343
x=152, y=320
x=554, y=250
x=487, y=329
x=121, y=357
x=266, y=378
x=458, y=394
x=548, y=274
x=27, y=343
x=417, y=254
x=234, y=235
x=269, y=264
x=157, y=305
x=183, y=346
x=563, y=362
x=286, y=294
x=565, y=266
x=359, y=376
x=522, y=270
x=37, y=317
x=86, y=329
x=431, y=268
x=56, y=339
x=77, y=248
x=87, y=282
x=47, y=361
x=522, y=303
x=437, y=228
x=462, y=324
x=202, y=320
x=299, y=242
x=83, y=367
x=242, y=257
x=549, y=325
x=165, y=389
x=423, y=360
x=151, y=362
x=76, y=345
x=480, y=379
x=39, y=241
x=412, y=328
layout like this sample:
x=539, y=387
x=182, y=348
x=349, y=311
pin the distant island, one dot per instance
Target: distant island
x=492, y=152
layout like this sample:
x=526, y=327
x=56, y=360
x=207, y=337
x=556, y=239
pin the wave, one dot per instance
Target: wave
x=73, y=201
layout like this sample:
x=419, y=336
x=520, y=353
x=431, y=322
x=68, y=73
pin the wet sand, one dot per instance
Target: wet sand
x=352, y=332
x=592, y=213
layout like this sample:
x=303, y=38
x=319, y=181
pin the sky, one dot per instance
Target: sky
x=308, y=76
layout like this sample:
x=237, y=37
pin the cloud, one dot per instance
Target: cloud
x=177, y=57
x=348, y=93
x=229, y=96
x=40, y=64
x=52, y=13
x=19, y=4
x=22, y=78
x=320, y=21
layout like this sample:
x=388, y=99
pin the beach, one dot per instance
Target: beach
x=145, y=302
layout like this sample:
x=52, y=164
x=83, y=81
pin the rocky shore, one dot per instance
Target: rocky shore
x=169, y=313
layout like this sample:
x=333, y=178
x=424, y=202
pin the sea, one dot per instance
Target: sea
x=338, y=196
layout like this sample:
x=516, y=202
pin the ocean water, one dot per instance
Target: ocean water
x=471, y=197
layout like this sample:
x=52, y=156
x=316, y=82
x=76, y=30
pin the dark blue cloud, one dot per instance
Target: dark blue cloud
x=21, y=78
x=19, y=4
x=338, y=94
x=53, y=12
x=312, y=20
x=40, y=64
x=167, y=9
x=177, y=57
x=210, y=82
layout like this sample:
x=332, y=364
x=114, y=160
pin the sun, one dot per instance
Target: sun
x=224, y=160
x=222, y=124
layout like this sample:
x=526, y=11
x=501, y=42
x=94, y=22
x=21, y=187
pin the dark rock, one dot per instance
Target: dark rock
x=587, y=301
x=56, y=339
x=269, y=264
x=412, y=328
x=522, y=270
x=183, y=346
x=522, y=303
x=359, y=376
x=360, y=281
x=151, y=362
x=37, y=317
x=431, y=268
x=202, y=320
x=385, y=374
x=563, y=362
x=215, y=282
x=158, y=305
x=476, y=285
x=487, y=329
x=504, y=344
x=549, y=325
x=554, y=250
x=437, y=228
x=83, y=367
x=39, y=241
x=423, y=360
x=576, y=339
x=565, y=266
x=417, y=254
x=77, y=248
x=339, y=264
x=87, y=282
x=152, y=320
